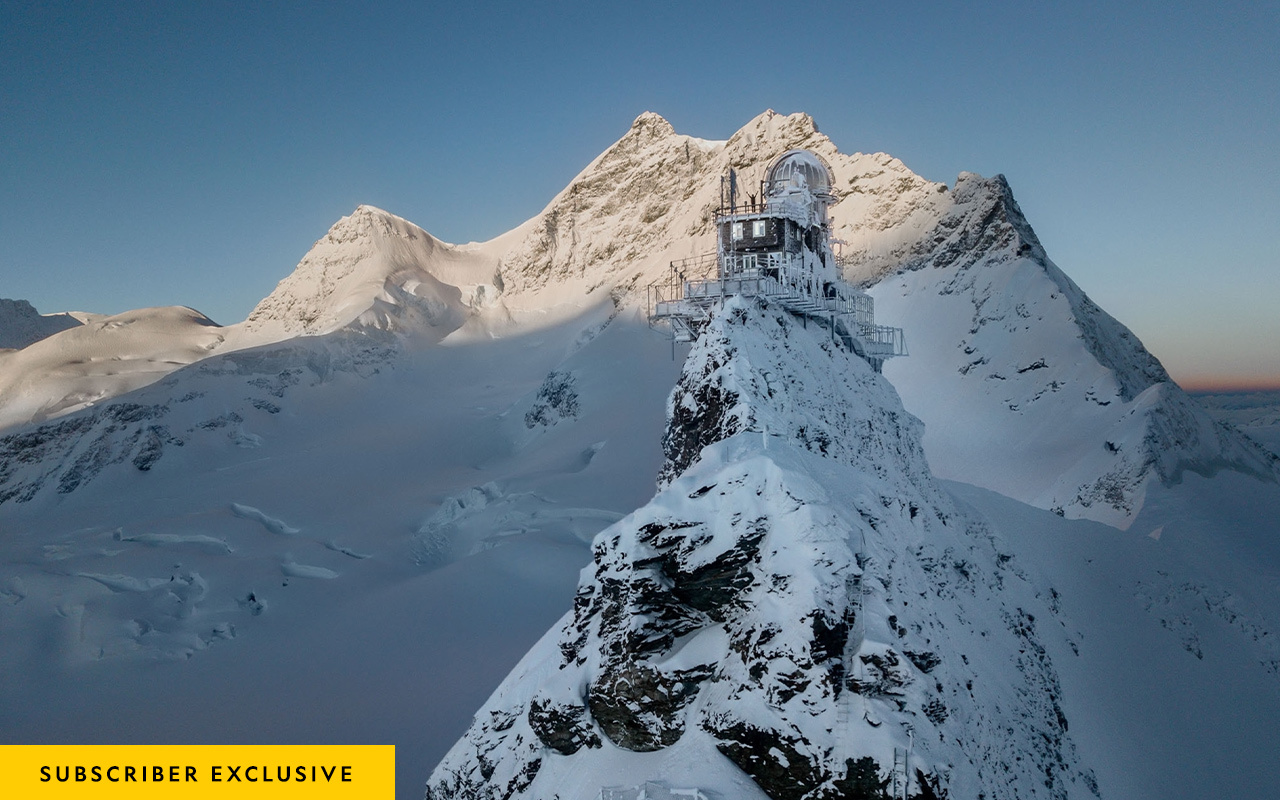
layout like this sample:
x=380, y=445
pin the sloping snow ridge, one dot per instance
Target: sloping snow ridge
x=21, y=324
x=372, y=277
x=1257, y=414
x=800, y=604
x=105, y=358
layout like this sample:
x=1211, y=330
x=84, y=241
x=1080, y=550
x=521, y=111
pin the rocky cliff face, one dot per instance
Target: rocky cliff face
x=800, y=603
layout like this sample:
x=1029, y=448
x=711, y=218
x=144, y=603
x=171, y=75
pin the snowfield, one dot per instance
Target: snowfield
x=463, y=499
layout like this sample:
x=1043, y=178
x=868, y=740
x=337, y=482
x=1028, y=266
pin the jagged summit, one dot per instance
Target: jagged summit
x=770, y=128
x=652, y=125
x=801, y=605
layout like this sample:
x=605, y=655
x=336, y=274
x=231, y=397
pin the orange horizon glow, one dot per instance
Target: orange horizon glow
x=1228, y=384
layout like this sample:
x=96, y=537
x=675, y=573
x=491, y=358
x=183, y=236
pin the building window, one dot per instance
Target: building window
x=735, y=231
x=757, y=228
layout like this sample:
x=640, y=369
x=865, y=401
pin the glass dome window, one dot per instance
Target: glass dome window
x=796, y=168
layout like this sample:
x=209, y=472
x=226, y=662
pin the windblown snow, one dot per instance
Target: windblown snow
x=1044, y=571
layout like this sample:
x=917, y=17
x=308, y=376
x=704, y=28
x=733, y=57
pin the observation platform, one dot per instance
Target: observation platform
x=685, y=300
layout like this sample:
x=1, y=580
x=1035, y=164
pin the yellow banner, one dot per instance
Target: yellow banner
x=354, y=772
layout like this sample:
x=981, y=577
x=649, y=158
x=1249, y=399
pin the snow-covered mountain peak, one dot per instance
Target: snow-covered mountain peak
x=1027, y=386
x=374, y=271
x=106, y=357
x=650, y=125
x=1021, y=379
x=641, y=203
x=987, y=223
x=368, y=221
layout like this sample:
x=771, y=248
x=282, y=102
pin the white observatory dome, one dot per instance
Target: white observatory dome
x=794, y=166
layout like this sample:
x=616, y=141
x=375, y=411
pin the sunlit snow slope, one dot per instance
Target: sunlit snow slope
x=105, y=358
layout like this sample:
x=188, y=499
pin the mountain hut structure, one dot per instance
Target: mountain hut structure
x=775, y=245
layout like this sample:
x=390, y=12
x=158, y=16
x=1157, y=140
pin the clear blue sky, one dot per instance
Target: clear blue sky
x=190, y=153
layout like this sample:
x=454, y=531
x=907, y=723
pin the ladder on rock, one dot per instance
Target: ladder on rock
x=849, y=659
x=901, y=776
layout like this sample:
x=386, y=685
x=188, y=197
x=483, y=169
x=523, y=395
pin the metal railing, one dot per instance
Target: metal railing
x=693, y=286
x=883, y=340
x=788, y=207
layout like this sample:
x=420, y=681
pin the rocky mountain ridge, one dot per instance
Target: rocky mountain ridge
x=799, y=602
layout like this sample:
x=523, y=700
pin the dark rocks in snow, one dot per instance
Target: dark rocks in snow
x=151, y=446
x=712, y=586
x=563, y=728
x=638, y=706
x=924, y=660
x=885, y=675
x=830, y=638
x=556, y=400
x=74, y=451
x=781, y=763
x=701, y=415
x=862, y=781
